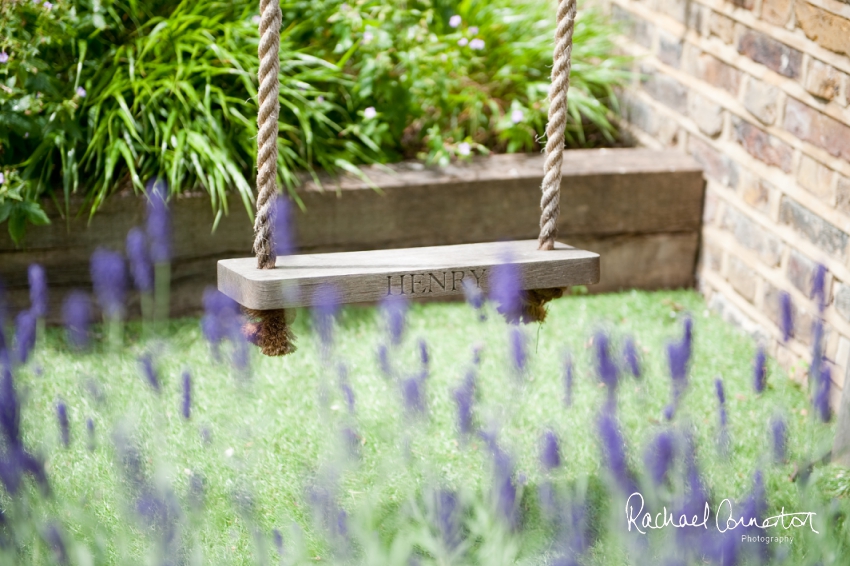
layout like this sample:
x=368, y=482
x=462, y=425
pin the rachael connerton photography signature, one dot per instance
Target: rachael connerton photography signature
x=640, y=520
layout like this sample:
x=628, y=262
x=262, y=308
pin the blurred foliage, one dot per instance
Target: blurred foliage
x=98, y=96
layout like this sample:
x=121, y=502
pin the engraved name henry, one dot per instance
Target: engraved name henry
x=448, y=281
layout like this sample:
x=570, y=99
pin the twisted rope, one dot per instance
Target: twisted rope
x=269, y=52
x=550, y=203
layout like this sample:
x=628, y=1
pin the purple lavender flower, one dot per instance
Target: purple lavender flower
x=384, y=361
x=345, y=387
x=90, y=430
x=413, y=394
x=475, y=297
x=284, y=243
x=55, y=541
x=669, y=412
x=721, y=397
x=823, y=384
x=678, y=357
x=759, y=371
x=819, y=286
x=786, y=309
x=76, y=312
x=779, y=432
x=64, y=428
x=631, y=357
x=614, y=451
x=506, y=289
x=146, y=363
x=724, y=430
x=159, y=221
x=278, y=541
x=659, y=456
x=394, y=309
x=550, y=452
x=38, y=290
x=140, y=262
x=504, y=484
x=568, y=380
x=326, y=303
x=424, y=358
x=606, y=367
x=221, y=320
x=754, y=508
x=25, y=334
x=351, y=441
x=109, y=279
x=187, y=395
x=464, y=398
x=518, y=353
x=448, y=518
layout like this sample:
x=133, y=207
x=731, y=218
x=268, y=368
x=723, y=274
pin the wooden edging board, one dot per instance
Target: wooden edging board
x=640, y=209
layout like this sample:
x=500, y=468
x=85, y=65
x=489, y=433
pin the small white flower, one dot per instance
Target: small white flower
x=2, y=178
x=26, y=135
x=320, y=99
x=454, y=21
x=81, y=92
x=473, y=30
x=48, y=6
x=4, y=57
x=462, y=41
x=463, y=148
x=368, y=36
x=228, y=452
x=517, y=116
x=370, y=113
x=256, y=20
x=477, y=44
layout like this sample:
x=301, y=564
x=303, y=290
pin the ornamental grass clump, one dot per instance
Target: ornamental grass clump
x=99, y=97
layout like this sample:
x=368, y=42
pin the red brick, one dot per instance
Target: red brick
x=825, y=28
x=776, y=12
x=712, y=70
x=810, y=125
x=817, y=230
x=816, y=178
x=762, y=100
x=716, y=165
x=742, y=278
x=771, y=53
x=722, y=26
x=762, y=145
x=842, y=195
x=712, y=257
x=637, y=28
x=745, y=4
x=707, y=115
x=801, y=271
x=822, y=80
x=756, y=192
x=753, y=236
x=669, y=49
x=667, y=90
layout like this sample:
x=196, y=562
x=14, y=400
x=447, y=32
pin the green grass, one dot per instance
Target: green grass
x=281, y=436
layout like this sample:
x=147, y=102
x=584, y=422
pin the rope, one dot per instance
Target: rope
x=269, y=52
x=550, y=203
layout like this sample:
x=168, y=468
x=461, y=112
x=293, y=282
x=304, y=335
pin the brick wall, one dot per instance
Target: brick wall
x=758, y=92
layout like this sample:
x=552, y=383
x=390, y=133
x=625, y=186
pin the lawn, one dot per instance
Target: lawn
x=266, y=448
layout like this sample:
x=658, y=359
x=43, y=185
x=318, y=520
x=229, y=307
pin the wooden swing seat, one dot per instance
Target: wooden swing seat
x=415, y=273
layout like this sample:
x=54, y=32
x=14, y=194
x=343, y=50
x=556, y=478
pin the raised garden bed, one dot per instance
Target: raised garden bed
x=639, y=209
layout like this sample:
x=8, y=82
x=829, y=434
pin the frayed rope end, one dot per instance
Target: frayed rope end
x=270, y=331
x=533, y=306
